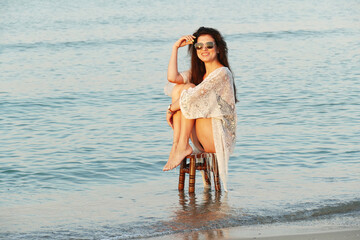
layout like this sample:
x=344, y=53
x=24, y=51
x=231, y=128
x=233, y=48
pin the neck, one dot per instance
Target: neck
x=211, y=66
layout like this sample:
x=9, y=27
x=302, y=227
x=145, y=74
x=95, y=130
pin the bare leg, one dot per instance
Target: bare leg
x=176, y=124
x=182, y=131
x=204, y=134
x=176, y=118
x=183, y=147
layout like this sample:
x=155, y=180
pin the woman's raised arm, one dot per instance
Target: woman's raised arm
x=173, y=73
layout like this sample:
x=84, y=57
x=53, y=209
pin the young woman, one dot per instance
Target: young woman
x=203, y=100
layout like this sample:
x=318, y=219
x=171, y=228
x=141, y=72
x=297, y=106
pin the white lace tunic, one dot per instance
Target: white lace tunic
x=213, y=98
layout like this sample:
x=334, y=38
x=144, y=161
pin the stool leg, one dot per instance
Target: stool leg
x=207, y=180
x=192, y=169
x=182, y=175
x=216, y=175
x=205, y=174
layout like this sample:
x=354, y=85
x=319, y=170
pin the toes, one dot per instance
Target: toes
x=166, y=168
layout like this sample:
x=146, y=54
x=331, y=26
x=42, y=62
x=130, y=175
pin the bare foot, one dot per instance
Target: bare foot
x=177, y=157
x=171, y=155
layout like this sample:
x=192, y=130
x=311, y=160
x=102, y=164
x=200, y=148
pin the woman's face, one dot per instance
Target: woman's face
x=205, y=54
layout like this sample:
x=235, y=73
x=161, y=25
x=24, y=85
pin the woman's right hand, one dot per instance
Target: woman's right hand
x=184, y=40
x=169, y=118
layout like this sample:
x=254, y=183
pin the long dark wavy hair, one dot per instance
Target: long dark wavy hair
x=197, y=66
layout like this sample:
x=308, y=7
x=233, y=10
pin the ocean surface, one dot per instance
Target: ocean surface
x=83, y=135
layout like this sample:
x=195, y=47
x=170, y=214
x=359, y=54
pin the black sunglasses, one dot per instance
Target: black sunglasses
x=208, y=45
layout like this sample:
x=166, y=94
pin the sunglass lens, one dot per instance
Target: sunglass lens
x=209, y=45
x=198, y=46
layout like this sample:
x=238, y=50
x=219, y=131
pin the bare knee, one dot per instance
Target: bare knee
x=189, y=85
x=178, y=88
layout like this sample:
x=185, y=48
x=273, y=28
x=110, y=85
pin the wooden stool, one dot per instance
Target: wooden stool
x=203, y=165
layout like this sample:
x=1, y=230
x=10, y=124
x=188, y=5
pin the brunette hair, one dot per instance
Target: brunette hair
x=197, y=69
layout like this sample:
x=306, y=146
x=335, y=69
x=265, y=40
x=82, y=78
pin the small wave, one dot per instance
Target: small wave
x=286, y=33
x=320, y=212
x=78, y=43
x=157, y=227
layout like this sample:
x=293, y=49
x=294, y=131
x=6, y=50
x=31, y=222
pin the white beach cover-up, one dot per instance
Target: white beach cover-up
x=213, y=98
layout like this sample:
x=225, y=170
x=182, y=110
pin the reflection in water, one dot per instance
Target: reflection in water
x=200, y=212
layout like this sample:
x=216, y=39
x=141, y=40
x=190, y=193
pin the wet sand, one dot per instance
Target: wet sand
x=330, y=235
x=271, y=233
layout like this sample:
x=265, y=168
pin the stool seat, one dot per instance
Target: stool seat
x=205, y=162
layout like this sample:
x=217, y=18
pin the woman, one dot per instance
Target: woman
x=203, y=100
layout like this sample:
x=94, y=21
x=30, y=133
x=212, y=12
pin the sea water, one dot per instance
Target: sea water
x=83, y=135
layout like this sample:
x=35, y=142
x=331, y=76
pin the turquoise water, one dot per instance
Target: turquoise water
x=83, y=135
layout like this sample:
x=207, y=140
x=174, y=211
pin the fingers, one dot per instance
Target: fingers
x=185, y=40
x=169, y=119
x=171, y=122
x=189, y=38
